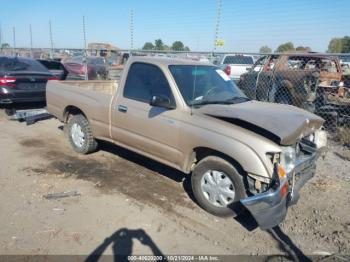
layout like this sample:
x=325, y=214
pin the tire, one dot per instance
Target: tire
x=80, y=135
x=9, y=111
x=213, y=166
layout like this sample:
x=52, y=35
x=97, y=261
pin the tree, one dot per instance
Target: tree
x=346, y=44
x=303, y=48
x=286, y=47
x=335, y=45
x=265, y=49
x=148, y=46
x=178, y=46
x=159, y=44
x=5, y=45
x=187, y=48
x=166, y=48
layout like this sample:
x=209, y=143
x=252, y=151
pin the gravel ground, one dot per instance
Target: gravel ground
x=129, y=204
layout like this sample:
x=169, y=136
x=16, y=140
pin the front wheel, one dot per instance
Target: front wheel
x=80, y=135
x=218, y=186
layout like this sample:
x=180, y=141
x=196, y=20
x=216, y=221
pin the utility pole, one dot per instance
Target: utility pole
x=14, y=40
x=0, y=36
x=51, y=41
x=84, y=34
x=217, y=25
x=85, y=51
x=131, y=29
x=31, y=40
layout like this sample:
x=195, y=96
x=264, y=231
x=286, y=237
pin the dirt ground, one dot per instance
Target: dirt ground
x=129, y=204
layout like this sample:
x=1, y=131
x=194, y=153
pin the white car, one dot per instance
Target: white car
x=235, y=65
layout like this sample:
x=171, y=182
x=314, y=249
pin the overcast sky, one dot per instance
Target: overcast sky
x=244, y=25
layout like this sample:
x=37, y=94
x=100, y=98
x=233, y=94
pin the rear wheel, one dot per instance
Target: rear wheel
x=80, y=135
x=217, y=186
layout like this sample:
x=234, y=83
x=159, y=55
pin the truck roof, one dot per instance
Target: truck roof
x=165, y=61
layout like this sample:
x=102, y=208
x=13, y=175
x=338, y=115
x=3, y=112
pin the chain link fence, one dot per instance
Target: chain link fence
x=316, y=82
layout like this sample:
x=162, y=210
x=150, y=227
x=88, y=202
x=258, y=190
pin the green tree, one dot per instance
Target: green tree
x=159, y=44
x=286, y=47
x=178, y=46
x=5, y=45
x=346, y=44
x=148, y=46
x=187, y=48
x=265, y=49
x=303, y=48
x=335, y=45
x=166, y=48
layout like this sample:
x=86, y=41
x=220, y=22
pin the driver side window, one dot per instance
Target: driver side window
x=144, y=81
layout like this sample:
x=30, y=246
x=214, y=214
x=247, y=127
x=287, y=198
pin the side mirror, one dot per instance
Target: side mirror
x=162, y=101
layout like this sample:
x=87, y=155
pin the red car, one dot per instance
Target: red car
x=79, y=67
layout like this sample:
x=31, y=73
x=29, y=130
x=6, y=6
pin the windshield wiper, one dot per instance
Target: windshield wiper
x=206, y=102
x=237, y=99
x=233, y=100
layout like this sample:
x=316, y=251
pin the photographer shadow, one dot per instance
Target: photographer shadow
x=122, y=245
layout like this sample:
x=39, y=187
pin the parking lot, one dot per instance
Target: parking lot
x=127, y=204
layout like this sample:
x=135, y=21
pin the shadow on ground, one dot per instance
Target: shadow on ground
x=150, y=164
x=286, y=245
x=122, y=245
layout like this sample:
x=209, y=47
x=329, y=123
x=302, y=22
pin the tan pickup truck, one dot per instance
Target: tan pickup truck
x=241, y=154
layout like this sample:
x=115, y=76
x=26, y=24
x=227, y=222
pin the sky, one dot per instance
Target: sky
x=245, y=26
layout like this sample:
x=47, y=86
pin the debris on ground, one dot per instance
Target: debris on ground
x=61, y=195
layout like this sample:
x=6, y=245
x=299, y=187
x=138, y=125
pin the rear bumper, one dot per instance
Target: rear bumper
x=270, y=208
x=10, y=96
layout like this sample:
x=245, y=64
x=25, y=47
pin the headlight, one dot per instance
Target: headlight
x=288, y=158
x=320, y=139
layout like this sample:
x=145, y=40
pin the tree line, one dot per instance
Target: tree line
x=336, y=45
x=159, y=45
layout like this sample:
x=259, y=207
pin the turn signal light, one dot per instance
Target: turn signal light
x=281, y=172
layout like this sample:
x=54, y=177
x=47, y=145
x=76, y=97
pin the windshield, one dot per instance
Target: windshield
x=20, y=64
x=238, y=60
x=205, y=85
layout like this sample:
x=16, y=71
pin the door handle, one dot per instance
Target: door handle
x=122, y=108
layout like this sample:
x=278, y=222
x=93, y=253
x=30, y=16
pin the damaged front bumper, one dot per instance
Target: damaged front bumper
x=270, y=208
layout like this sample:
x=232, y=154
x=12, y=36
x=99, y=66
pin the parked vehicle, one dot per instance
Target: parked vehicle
x=22, y=80
x=190, y=116
x=309, y=81
x=235, y=65
x=79, y=66
x=55, y=67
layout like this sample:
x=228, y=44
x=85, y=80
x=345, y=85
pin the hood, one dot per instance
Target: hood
x=283, y=124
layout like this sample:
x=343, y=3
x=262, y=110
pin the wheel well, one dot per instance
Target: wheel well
x=71, y=110
x=202, y=152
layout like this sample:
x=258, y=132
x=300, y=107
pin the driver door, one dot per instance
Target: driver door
x=150, y=130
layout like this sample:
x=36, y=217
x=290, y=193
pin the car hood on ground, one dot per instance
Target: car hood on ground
x=283, y=124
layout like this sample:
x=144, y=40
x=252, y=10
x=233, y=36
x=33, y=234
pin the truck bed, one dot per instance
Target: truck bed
x=102, y=86
x=93, y=98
